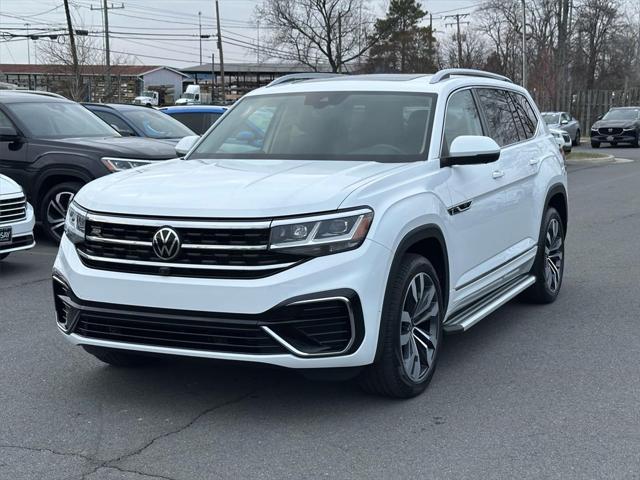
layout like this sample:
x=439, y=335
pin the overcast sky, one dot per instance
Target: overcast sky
x=132, y=27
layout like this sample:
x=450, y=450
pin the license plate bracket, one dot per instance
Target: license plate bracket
x=5, y=235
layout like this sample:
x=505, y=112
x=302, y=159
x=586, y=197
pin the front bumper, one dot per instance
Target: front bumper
x=21, y=233
x=624, y=137
x=346, y=275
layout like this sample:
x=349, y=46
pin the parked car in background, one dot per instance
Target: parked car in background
x=564, y=121
x=197, y=117
x=52, y=146
x=367, y=217
x=618, y=125
x=563, y=139
x=138, y=121
x=16, y=217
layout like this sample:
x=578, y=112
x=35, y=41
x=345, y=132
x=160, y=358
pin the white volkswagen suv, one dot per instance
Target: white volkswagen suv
x=16, y=219
x=324, y=223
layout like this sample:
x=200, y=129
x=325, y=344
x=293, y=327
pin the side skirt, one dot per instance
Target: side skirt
x=467, y=317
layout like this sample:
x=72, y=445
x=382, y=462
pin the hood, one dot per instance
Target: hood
x=8, y=186
x=614, y=124
x=230, y=188
x=123, y=147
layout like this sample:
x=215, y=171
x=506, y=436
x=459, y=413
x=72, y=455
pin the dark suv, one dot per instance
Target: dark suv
x=618, y=125
x=52, y=146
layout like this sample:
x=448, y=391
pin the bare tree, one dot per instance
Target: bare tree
x=58, y=54
x=318, y=32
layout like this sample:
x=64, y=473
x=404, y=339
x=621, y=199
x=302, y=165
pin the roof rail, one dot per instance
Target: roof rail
x=35, y=92
x=450, y=72
x=300, y=77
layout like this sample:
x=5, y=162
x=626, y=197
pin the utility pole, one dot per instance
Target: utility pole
x=223, y=95
x=258, y=49
x=339, y=53
x=458, y=16
x=200, y=34
x=28, y=46
x=107, y=77
x=74, y=53
x=213, y=73
x=524, y=45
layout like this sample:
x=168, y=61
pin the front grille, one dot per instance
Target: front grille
x=610, y=131
x=214, y=250
x=13, y=209
x=166, y=330
x=323, y=326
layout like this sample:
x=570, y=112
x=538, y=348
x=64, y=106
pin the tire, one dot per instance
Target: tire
x=53, y=208
x=636, y=143
x=550, y=251
x=3, y=256
x=117, y=357
x=576, y=141
x=595, y=144
x=407, y=356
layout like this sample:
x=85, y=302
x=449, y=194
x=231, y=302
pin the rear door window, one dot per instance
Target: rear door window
x=498, y=112
x=526, y=115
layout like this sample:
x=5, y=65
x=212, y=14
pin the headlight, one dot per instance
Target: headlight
x=629, y=129
x=321, y=234
x=119, y=164
x=74, y=225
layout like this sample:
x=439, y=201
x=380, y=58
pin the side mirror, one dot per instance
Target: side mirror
x=185, y=144
x=8, y=134
x=600, y=117
x=564, y=122
x=123, y=132
x=471, y=150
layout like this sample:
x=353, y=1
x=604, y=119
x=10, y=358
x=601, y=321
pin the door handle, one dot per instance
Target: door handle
x=497, y=174
x=534, y=161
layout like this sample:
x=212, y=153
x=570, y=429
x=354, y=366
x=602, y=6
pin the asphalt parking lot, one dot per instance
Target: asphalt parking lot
x=530, y=392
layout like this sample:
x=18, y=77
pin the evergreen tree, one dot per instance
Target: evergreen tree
x=403, y=45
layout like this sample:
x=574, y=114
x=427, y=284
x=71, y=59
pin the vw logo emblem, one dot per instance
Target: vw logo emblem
x=166, y=243
x=611, y=130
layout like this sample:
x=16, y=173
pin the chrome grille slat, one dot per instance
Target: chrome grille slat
x=213, y=249
x=13, y=209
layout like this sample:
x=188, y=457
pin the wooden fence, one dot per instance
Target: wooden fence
x=587, y=106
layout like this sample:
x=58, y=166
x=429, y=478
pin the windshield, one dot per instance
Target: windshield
x=155, y=124
x=60, y=120
x=551, y=118
x=379, y=126
x=622, y=114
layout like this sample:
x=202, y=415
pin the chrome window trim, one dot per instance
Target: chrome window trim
x=187, y=265
x=300, y=353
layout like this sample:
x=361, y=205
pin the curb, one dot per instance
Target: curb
x=592, y=161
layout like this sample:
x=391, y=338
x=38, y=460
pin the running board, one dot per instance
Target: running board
x=469, y=316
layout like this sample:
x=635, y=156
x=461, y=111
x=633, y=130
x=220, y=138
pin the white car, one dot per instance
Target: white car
x=563, y=139
x=324, y=223
x=16, y=219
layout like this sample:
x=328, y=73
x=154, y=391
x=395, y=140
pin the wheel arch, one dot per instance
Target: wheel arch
x=429, y=242
x=557, y=198
x=52, y=177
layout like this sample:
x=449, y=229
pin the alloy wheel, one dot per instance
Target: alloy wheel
x=554, y=253
x=57, y=212
x=419, y=327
